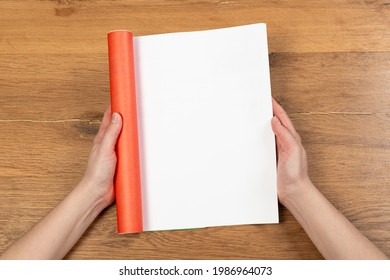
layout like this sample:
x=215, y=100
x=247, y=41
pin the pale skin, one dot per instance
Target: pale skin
x=331, y=232
x=54, y=235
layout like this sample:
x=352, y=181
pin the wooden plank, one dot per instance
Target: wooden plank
x=53, y=87
x=76, y=86
x=67, y=26
x=344, y=83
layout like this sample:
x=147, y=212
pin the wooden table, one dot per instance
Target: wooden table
x=330, y=69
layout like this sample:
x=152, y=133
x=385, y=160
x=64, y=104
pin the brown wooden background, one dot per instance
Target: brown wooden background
x=330, y=69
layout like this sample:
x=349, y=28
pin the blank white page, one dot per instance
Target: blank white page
x=207, y=149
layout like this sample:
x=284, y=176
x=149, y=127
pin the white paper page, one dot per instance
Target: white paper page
x=206, y=144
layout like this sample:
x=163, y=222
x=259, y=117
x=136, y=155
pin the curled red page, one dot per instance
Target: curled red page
x=123, y=100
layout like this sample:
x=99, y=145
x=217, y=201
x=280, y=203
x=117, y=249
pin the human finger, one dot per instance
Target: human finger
x=112, y=132
x=281, y=114
x=284, y=138
x=103, y=127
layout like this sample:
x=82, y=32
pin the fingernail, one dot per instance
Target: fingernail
x=114, y=118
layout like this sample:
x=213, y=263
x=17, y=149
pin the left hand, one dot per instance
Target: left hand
x=99, y=175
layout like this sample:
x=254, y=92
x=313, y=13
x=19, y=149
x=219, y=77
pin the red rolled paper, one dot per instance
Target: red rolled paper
x=123, y=100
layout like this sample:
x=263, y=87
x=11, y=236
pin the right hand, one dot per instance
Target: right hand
x=292, y=161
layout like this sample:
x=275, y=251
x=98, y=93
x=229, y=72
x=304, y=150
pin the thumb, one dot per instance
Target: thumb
x=112, y=132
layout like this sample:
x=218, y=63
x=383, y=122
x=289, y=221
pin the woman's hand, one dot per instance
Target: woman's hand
x=99, y=175
x=292, y=162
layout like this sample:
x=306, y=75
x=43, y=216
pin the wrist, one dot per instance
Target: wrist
x=296, y=192
x=92, y=197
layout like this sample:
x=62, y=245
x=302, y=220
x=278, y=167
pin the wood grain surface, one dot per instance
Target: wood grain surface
x=330, y=69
